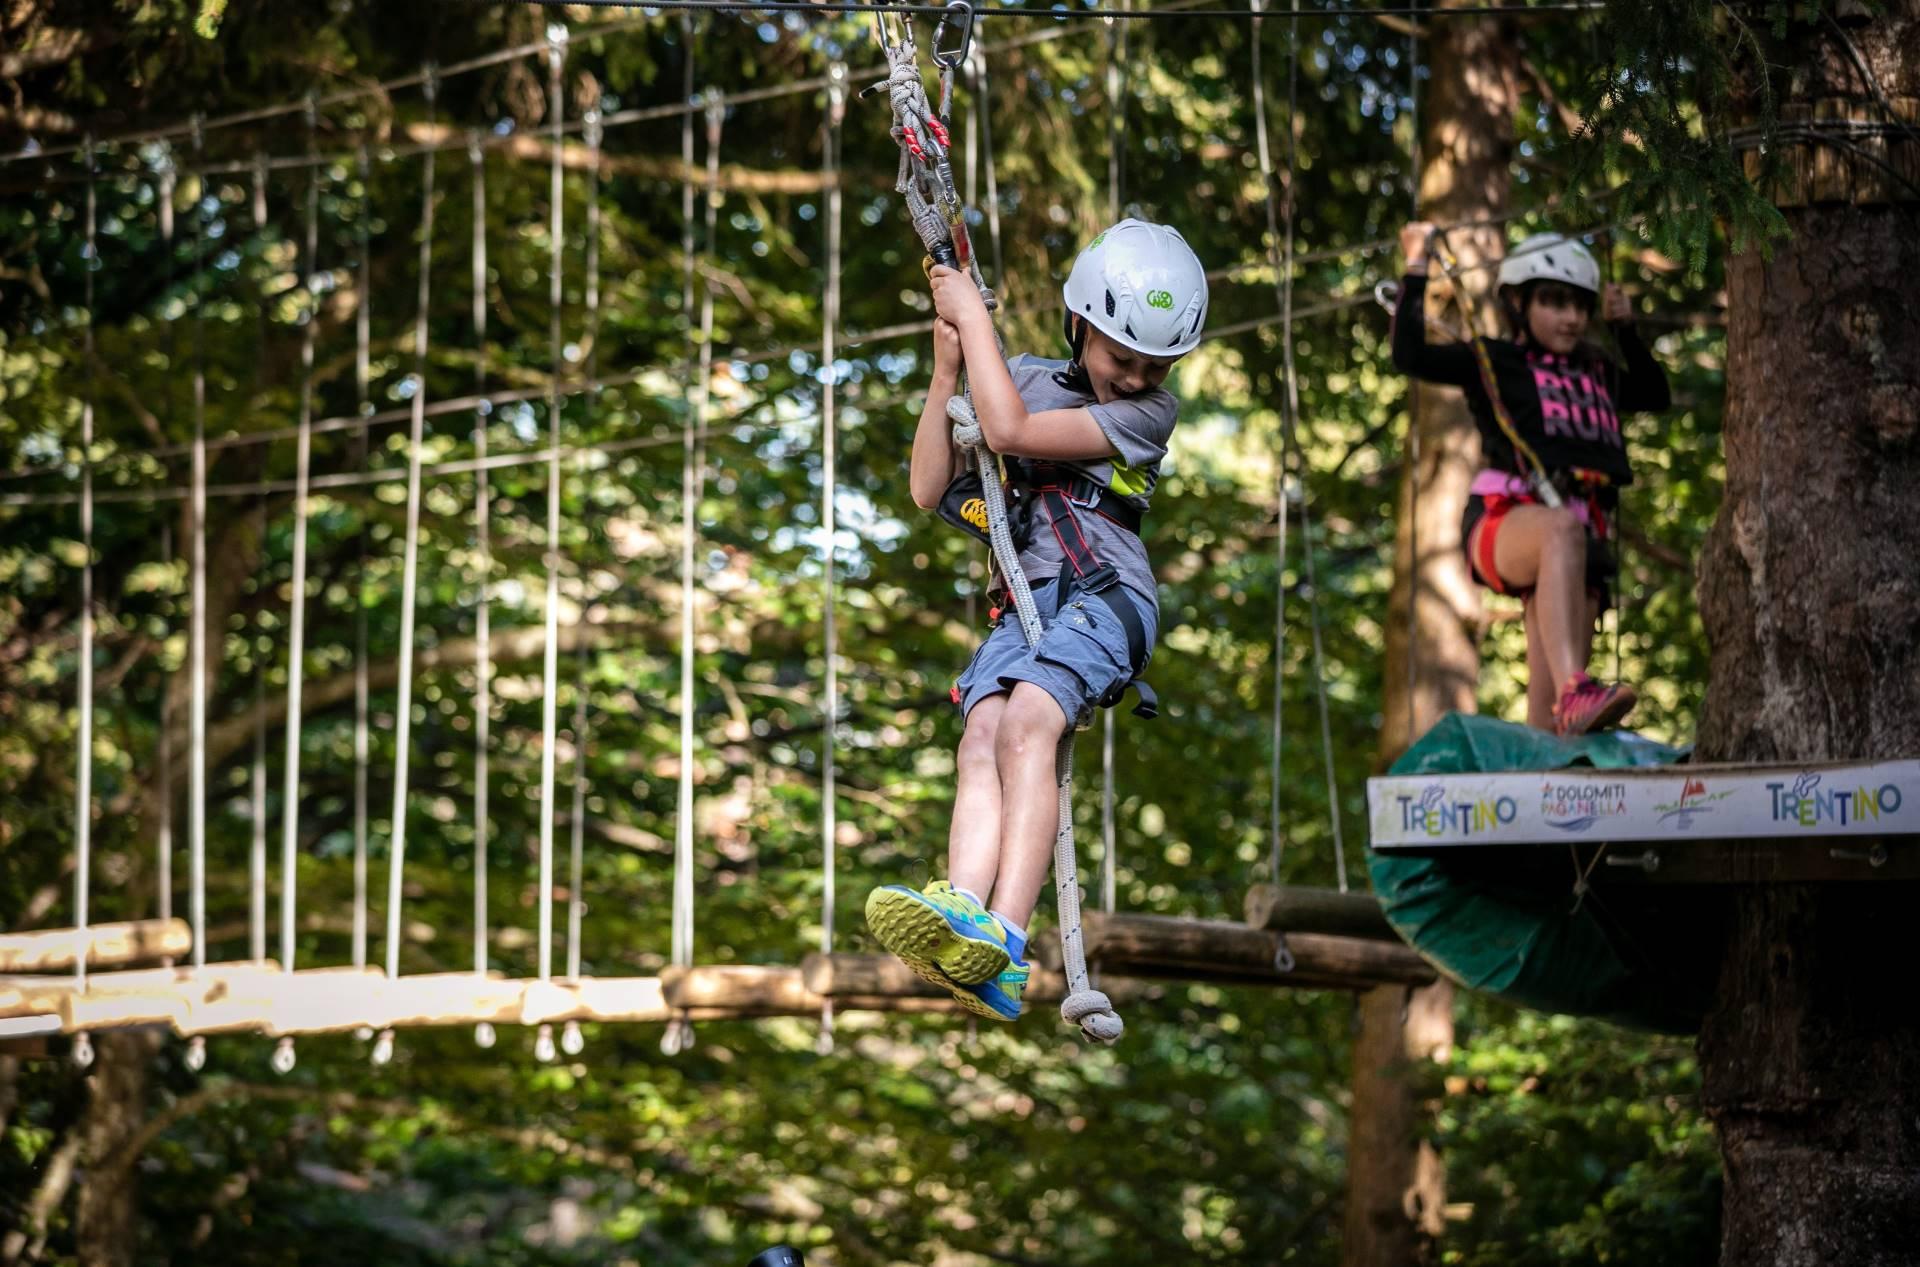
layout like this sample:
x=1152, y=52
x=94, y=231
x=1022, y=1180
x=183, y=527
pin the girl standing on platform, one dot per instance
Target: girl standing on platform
x=1563, y=397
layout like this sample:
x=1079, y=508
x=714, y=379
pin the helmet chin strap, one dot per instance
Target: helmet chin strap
x=1075, y=377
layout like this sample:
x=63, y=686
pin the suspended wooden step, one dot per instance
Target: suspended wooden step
x=104, y=945
x=1164, y=946
x=756, y=990
x=1289, y=908
x=850, y=979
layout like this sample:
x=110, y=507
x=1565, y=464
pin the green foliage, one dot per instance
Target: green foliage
x=1217, y=1132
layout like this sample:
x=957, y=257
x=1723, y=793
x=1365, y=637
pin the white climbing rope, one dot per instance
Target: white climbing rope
x=829, y=488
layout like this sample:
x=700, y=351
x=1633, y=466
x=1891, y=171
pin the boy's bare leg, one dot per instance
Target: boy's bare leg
x=1028, y=735
x=973, y=844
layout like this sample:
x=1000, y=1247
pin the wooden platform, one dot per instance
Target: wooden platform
x=1836, y=809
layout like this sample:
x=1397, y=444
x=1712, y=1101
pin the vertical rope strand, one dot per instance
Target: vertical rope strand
x=691, y=494
x=829, y=496
x=550, y=671
x=297, y=645
x=257, y=843
x=483, y=567
x=362, y=370
x=163, y=841
x=985, y=102
x=83, y=757
x=1291, y=419
x=691, y=479
x=1414, y=459
x=1276, y=826
x=1116, y=151
x=163, y=838
x=197, y=630
x=410, y=567
x=576, y=876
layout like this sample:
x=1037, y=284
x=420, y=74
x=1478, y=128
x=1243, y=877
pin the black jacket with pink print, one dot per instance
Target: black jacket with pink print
x=1566, y=407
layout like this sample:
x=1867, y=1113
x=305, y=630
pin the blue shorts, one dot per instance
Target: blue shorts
x=1081, y=657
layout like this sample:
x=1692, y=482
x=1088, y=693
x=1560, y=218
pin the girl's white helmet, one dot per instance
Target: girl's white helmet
x=1142, y=286
x=1551, y=257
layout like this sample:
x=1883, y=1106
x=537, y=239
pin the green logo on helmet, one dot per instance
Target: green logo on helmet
x=1097, y=241
x=1159, y=299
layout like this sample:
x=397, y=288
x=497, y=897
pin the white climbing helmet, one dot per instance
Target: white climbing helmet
x=1550, y=257
x=1142, y=286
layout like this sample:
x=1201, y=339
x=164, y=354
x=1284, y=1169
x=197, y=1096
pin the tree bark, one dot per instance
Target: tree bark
x=1810, y=593
x=1396, y=1183
x=106, y=1215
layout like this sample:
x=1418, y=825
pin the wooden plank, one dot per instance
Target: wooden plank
x=744, y=988
x=252, y=1003
x=42, y=995
x=58, y=949
x=1290, y=908
x=345, y=1002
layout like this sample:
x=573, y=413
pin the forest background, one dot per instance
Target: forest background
x=1217, y=1131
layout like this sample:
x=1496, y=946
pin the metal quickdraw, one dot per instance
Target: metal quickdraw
x=925, y=179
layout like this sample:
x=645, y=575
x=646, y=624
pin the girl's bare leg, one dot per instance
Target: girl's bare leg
x=1540, y=694
x=1547, y=550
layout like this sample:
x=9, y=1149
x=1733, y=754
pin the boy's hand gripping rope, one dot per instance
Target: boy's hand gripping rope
x=939, y=218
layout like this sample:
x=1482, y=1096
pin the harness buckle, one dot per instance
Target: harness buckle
x=1102, y=578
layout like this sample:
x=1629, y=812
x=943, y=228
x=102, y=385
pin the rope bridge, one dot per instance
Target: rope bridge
x=283, y=998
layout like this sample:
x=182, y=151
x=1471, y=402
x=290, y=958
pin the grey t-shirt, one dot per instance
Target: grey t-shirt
x=1138, y=427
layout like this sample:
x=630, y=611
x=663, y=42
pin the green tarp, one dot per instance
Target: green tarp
x=1507, y=920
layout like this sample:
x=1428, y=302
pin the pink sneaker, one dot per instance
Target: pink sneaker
x=1586, y=706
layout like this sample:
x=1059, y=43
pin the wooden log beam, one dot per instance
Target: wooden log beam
x=58, y=949
x=1214, y=950
x=1288, y=908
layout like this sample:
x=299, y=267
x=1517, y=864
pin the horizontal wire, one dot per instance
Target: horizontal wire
x=1323, y=13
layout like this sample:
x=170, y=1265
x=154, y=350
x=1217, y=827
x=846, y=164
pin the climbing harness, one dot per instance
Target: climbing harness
x=934, y=207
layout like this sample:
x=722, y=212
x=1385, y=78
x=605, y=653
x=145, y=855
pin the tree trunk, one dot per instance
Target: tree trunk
x=1810, y=593
x=106, y=1217
x=1395, y=1179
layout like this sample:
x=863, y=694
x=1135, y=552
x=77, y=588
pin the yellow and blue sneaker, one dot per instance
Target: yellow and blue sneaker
x=944, y=935
x=998, y=999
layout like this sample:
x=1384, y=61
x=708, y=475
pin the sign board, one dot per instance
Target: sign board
x=1665, y=803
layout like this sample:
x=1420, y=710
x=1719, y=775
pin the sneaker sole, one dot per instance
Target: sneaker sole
x=979, y=1006
x=1613, y=714
x=920, y=937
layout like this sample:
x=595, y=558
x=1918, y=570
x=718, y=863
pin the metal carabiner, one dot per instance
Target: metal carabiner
x=947, y=56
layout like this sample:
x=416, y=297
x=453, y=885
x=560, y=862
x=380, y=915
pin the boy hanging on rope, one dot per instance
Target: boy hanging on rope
x=1082, y=441
x=1563, y=398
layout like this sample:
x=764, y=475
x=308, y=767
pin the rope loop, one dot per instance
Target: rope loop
x=1093, y=1012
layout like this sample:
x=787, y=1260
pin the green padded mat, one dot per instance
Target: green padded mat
x=1506, y=919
